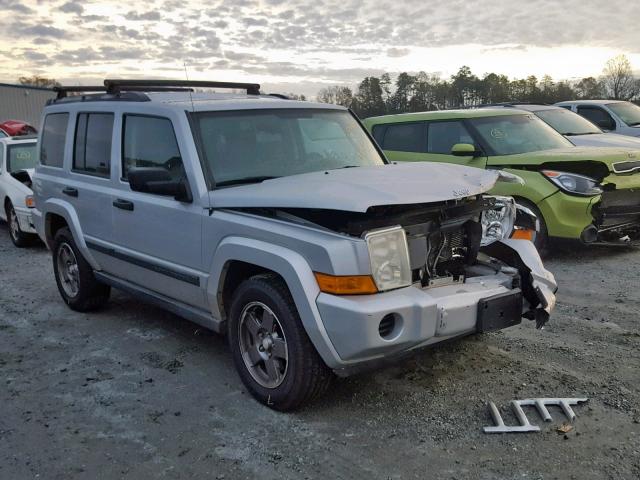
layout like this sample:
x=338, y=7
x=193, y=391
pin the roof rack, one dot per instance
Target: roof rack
x=508, y=104
x=114, y=87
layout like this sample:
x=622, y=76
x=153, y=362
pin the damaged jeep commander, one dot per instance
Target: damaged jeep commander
x=278, y=223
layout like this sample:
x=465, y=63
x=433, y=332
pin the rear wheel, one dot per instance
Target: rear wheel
x=271, y=350
x=74, y=276
x=18, y=237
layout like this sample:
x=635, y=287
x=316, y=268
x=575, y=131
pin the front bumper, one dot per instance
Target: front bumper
x=591, y=219
x=422, y=316
x=25, y=219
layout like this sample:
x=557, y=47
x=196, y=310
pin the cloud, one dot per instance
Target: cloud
x=315, y=41
x=397, y=52
x=71, y=7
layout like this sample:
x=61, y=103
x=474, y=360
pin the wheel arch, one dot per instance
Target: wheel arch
x=238, y=258
x=59, y=214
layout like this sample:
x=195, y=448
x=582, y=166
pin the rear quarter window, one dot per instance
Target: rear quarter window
x=54, y=134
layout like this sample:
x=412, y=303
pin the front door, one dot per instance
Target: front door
x=158, y=239
x=427, y=142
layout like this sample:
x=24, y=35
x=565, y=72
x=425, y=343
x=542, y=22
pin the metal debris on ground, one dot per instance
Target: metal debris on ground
x=541, y=406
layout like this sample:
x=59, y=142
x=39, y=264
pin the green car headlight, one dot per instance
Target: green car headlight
x=498, y=221
x=573, y=183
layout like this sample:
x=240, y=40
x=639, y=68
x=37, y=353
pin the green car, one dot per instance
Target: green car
x=591, y=194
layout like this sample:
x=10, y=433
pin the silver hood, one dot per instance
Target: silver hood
x=357, y=189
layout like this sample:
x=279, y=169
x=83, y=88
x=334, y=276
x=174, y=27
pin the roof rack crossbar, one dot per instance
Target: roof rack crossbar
x=62, y=91
x=116, y=86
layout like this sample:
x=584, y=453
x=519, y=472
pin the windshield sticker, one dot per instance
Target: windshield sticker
x=497, y=133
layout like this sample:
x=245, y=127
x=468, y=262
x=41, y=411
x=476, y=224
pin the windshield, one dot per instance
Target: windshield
x=252, y=145
x=21, y=157
x=628, y=112
x=513, y=134
x=567, y=123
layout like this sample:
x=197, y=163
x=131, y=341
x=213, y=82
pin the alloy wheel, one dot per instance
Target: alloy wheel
x=263, y=344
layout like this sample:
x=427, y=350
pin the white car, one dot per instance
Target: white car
x=578, y=130
x=18, y=158
x=615, y=116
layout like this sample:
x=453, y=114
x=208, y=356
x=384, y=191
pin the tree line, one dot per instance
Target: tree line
x=424, y=91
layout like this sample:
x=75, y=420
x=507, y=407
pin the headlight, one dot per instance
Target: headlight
x=497, y=223
x=573, y=183
x=389, y=257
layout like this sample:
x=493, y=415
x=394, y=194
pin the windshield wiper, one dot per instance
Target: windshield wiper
x=243, y=180
x=574, y=134
x=634, y=124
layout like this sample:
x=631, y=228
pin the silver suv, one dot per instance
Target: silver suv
x=278, y=223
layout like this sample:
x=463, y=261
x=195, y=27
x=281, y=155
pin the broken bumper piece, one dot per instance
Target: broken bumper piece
x=368, y=329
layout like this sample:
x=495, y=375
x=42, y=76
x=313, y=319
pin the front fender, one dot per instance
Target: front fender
x=295, y=271
x=66, y=211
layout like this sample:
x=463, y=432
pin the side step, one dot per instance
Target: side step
x=201, y=317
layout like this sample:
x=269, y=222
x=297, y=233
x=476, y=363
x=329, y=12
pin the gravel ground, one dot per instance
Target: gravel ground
x=135, y=392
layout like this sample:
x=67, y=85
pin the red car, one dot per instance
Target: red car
x=16, y=128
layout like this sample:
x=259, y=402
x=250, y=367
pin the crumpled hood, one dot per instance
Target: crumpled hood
x=607, y=156
x=357, y=189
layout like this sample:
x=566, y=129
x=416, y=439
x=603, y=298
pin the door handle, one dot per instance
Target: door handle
x=123, y=204
x=72, y=192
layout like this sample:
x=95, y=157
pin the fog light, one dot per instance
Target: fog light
x=387, y=326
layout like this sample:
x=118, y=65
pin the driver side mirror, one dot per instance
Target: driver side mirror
x=157, y=180
x=465, y=150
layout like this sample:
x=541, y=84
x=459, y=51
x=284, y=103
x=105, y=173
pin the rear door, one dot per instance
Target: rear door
x=158, y=242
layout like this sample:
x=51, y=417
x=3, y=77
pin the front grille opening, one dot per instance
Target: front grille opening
x=387, y=325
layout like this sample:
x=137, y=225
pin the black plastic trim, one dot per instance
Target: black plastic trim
x=154, y=267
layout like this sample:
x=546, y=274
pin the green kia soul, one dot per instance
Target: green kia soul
x=590, y=194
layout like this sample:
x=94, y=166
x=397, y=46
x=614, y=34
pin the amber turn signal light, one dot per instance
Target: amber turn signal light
x=29, y=201
x=523, y=234
x=346, y=284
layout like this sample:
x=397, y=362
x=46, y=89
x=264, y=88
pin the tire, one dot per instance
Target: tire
x=19, y=238
x=74, y=276
x=271, y=350
x=541, y=238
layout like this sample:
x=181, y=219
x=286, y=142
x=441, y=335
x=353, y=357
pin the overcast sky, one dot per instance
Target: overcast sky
x=299, y=46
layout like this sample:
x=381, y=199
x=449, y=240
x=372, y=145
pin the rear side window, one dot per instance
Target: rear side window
x=150, y=142
x=92, y=148
x=54, y=133
x=444, y=135
x=405, y=137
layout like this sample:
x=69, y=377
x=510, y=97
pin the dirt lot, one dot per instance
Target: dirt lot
x=134, y=392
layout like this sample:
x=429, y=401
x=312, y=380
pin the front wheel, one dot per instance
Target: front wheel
x=271, y=350
x=74, y=276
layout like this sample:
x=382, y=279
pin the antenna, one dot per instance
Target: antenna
x=186, y=75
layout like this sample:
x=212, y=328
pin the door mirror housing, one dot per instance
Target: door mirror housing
x=465, y=150
x=158, y=181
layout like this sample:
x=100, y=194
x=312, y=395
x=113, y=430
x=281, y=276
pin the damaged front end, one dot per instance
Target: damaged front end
x=450, y=244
